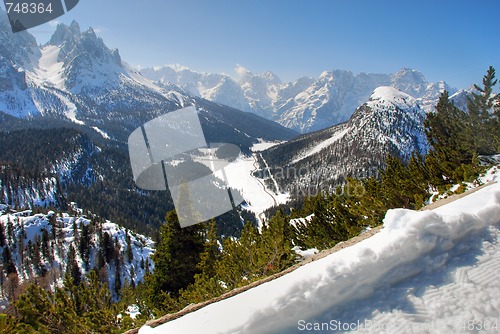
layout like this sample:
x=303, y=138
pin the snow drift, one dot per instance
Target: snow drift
x=417, y=256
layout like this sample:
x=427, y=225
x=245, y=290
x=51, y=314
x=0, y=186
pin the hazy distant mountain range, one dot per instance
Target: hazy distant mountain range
x=307, y=104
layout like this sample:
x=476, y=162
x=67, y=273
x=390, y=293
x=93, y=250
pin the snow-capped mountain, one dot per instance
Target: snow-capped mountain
x=391, y=122
x=214, y=87
x=306, y=104
x=77, y=78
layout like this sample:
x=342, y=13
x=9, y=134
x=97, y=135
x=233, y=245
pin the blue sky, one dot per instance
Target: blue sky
x=453, y=41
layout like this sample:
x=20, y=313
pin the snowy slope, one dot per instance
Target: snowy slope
x=390, y=122
x=243, y=174
x=425, y=272
x=27, y=231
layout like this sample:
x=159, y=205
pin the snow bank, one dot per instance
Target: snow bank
x=375, y=279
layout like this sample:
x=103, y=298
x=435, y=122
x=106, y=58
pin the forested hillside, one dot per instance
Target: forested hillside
x=195, y=263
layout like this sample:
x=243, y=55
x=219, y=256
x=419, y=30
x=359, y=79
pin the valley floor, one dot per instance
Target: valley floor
x=240, y=175
x=433, y=271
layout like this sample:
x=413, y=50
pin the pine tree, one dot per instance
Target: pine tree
x=72, y=269
x=107, y=247
x=45, y=245
x=175, y=259
x=496, y=124
x=368, y=205
x=132, y=276
x=401, y=187
x=10, y=230
x=118, y=277
x=84, y=245
x=8, y=261
x=481, y=112
x=20, y=243
x=211, y=253
x=450, y=135
x=76, y=234
x=206, y=283
x=118, y=265
x=239, y=264
x=3, y=239
x=130, y=255
x=275, y=251
x=36, y=259
x=99, y=261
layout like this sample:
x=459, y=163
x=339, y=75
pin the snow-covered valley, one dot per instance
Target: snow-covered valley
x=245, y=176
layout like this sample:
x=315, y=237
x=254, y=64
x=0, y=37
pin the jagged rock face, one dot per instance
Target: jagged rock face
x=17, y=49
x=17, y=52
x=410, y=81
x=391, y=122
x=76, y=77
x=306, y=104
x=85, y=57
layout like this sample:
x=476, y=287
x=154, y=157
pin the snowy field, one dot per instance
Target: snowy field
x=254, y=190
x=432, y=271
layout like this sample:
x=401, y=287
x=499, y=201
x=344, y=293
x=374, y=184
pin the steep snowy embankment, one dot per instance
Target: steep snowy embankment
x=425, y=272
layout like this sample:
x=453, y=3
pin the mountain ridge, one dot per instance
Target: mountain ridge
x=306, y=104
x=77, y=78
x=390, y=122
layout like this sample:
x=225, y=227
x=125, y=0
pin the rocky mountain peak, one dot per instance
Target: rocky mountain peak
x=410, y=81
x=65, y=33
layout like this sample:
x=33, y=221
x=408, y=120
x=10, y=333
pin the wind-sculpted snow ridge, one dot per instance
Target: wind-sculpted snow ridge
x=426, y=271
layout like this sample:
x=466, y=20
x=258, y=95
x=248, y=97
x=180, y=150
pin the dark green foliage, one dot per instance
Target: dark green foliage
x=402, y=187
x=240, y=261
x=46, y=245
x=72, y=269
x=333, y=222
x=3, y=238
x=84, y=308
x=176, y=258
x=130, y=255
x=107, y=247
x=101, y=178
x=8, y=262
x=449, y=133
x=482, y=116
x=276, y=244
x=84, y=245
x=206, y=282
